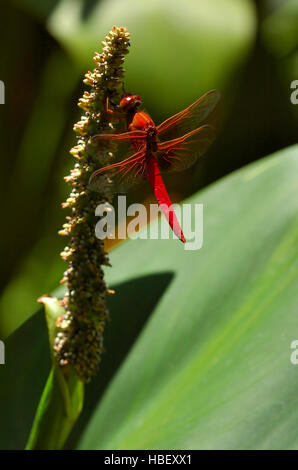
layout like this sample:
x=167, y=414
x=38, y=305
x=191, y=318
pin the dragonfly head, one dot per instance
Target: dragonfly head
x=130, y=102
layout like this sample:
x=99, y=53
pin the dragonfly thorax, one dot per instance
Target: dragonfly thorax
x=151, y=142
x=141, y=122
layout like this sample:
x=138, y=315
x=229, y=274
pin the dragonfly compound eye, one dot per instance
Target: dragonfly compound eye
x=129, y=102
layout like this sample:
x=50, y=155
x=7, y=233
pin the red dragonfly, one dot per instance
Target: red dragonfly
x=173, y=145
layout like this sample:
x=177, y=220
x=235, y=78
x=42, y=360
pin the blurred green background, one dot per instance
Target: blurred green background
x=247, y=49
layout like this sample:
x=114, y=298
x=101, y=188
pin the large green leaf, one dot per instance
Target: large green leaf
x=211, y=368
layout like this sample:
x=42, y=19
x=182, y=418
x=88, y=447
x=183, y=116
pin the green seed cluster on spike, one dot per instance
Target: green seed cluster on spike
x=79, y=342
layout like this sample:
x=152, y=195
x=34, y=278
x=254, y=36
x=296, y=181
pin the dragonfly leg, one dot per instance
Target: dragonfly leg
x=113, y=114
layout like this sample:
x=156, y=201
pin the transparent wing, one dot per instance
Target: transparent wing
x=132, y=135
x=189, y=118
x=117, y=147
x=179, y=154
x=119, y=177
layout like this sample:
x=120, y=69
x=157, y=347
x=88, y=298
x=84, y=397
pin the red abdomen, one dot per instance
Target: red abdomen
x=162, y=196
